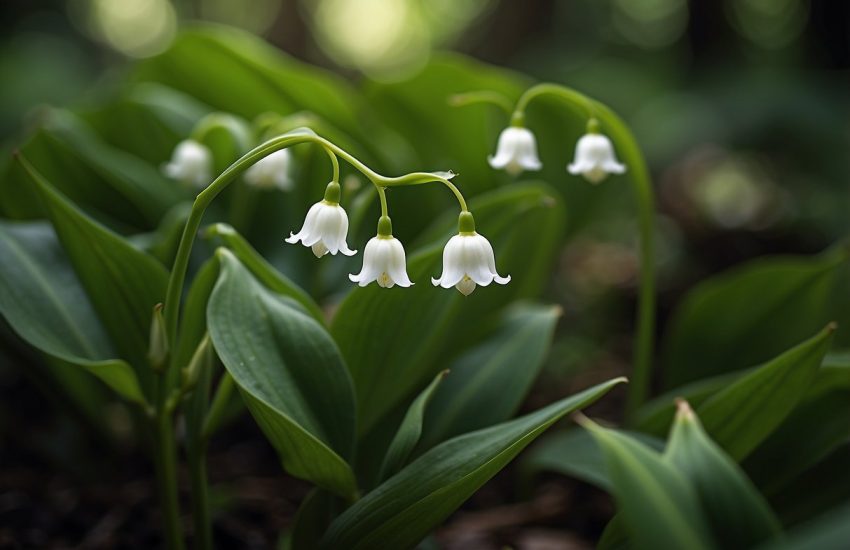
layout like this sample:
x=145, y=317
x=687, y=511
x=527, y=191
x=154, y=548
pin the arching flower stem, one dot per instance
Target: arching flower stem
x=598, y=114
x=204, y=199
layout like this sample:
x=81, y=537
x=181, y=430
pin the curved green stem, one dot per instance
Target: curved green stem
x=639, y=176
x=334, y=163
x=583, y=104
x=382, y=195
x=205, y=197
x=482, y=96
x=418, y=178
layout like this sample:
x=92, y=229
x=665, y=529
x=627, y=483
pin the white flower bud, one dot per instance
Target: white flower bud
x=595, y=159
x=271, y=171
x=325, y=229
x=516, y=151
x=384, y=262
x=468, y=260
x=190, y=163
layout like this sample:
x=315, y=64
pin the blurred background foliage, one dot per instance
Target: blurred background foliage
x=740, y=106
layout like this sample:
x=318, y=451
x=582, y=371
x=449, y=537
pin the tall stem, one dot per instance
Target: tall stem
x=196, y=455
x=644, y=340
x=642, y=184
x=166, y=470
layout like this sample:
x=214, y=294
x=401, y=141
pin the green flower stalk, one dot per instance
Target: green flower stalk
x=595, y=160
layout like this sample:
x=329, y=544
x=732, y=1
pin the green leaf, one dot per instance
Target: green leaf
x=749, y=314
x=658, y=505
x=159, y=117
x=123, y=283
x=262, y=270
x=290, y=374
x=236, y=72
x=489, y=382
x=817, y=426
x=43, y=301
x=575, y=453
x=388, y=361
x=737, y=513
x=656, y=416
x=408, y=433
x=311, y=520
x=406, y=507
x=743, y=414
x=119, y=188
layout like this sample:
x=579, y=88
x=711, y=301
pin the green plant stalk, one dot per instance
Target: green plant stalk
x=176, y=281
x=630, y=153
x=196, y=457
x=166, y=473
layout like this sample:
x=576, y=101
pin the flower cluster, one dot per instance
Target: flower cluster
x=594, y=155
x=468, y=258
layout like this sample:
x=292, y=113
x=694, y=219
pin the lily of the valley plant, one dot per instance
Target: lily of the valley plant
x=468, y=258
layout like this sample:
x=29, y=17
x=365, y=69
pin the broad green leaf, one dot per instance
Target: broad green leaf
x=290, y=374
x=236, y=72
x=262, y=270
x=576, y=454
x=405, y=508
x=749, y=314
x=117, y=187
x=44, y=302
x=389, y=360
x=123, y=283
x=489, y=382
x=738, y=515
x=743, y=414
x=159, y=117
x=658, y=504
x=819, y=424
x=408, y=433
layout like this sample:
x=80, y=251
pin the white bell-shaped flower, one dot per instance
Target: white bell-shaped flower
x=383, y=260
x=595, y=159
x=271, y=171
x=468, y=260
x=326, y=226
x=516, y=151
x=190, y=163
